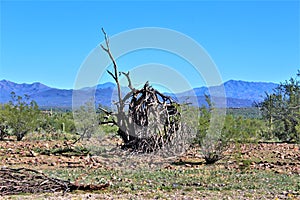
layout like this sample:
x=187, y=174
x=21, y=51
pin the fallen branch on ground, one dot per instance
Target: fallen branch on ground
x=22, y=180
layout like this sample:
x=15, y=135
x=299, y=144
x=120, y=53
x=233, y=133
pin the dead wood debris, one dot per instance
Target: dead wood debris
x=22, y=180
x=153, y=119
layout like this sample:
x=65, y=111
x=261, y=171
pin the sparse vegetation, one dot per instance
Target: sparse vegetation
x=250, y=171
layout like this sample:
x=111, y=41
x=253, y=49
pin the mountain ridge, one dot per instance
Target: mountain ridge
x=238, y=93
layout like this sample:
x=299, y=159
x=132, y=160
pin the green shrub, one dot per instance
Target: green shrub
x=214, y=140
x=20, y=115
x=210, y=136
x=59, y=122
x=281, y=111
x=3, y=123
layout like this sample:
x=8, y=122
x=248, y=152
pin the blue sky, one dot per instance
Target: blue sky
x=47, y=41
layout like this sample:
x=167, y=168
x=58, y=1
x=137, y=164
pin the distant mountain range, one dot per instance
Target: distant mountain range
x=238, y=93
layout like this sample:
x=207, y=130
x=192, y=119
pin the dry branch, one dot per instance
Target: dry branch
x=115, y=75
x=22, y=180
x=129, y=81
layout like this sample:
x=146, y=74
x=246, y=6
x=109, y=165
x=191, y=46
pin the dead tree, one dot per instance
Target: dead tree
x=147, y=119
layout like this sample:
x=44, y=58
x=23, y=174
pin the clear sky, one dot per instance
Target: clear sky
x=47, y=41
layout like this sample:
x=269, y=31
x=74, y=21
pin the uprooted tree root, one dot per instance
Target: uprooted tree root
x=147, y=119
x=152, y=120
x=22, y=180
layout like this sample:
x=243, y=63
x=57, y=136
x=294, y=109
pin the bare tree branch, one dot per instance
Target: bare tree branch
x=115, y=76
x=106, y=112
x=110, y=73
x=129, y=81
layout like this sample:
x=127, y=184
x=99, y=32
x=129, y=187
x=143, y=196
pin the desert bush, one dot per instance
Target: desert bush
x=281, y=110
x=215, y=140
x=21, y=115
x=86, y=120
x=56, y=124
x=242, y=130
x=210, y=136
x=3, y=123
x=108, y=129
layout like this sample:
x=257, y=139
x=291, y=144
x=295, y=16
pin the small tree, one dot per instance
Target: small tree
x=282, y=110
x=21, y=115
x=269, y=109
x=204, y=121
x=87, y=121
x=213, y=141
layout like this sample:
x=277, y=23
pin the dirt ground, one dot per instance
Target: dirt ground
x=122, y=170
